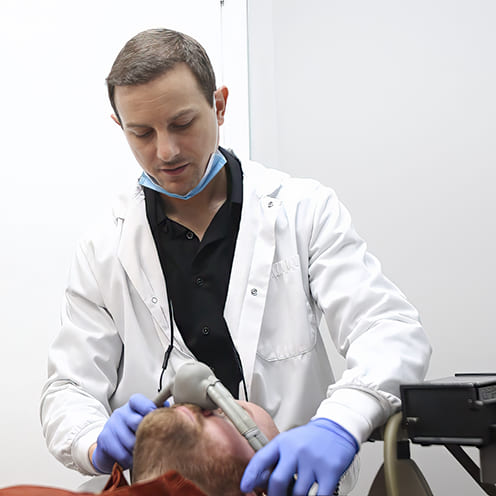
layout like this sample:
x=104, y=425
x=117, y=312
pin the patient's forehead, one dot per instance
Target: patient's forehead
x=261, y=418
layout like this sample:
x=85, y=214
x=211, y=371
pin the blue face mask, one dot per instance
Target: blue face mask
x=215, y=164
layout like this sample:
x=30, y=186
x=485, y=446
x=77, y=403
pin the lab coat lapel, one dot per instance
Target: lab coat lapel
x=252, y=264
x=139, y=258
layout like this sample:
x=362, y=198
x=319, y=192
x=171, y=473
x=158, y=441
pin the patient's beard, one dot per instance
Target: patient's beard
x=168, y=440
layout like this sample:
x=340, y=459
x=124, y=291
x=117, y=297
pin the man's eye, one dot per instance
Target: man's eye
x=181, y=125
x=143, y=135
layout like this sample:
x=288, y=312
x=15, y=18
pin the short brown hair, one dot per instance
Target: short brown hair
x=152, y=53
x=164, y=441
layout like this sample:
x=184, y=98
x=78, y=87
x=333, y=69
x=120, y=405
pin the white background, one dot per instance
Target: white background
x=393, y=104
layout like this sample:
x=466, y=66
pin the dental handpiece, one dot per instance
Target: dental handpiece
x=196, y=383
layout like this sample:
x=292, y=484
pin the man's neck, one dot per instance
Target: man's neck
x=197, y=212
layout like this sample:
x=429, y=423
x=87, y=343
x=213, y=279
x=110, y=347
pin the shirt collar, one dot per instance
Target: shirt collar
x=234, y=178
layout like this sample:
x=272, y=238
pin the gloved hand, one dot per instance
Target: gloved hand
x=319, y=451
x=116, y=441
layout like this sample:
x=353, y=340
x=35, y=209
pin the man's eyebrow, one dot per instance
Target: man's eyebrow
x=132, y=124
x=176, y=116
x=182, y=113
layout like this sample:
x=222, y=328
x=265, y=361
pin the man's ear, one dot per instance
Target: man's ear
x=116, y=120
x=220, y=102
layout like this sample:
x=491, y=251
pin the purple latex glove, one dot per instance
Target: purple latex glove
x=116, y=441
x=319, y=451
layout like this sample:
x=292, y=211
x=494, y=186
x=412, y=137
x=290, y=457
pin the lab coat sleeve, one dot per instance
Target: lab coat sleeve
x=83, y=367
x=370, y=321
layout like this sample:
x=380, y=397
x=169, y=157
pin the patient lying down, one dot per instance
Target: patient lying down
x=180, y=451
x=202, y=445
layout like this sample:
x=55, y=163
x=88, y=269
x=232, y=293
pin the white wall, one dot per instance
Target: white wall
x=62, y=159
x=393, y=104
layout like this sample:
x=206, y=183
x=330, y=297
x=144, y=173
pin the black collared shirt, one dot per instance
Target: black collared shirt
x=197, y=275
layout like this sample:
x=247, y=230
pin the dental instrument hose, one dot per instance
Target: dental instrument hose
x=196, y=383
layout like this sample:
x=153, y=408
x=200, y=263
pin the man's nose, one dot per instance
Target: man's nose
x=167, y=147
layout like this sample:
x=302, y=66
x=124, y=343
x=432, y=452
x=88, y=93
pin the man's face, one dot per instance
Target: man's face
x=202, y=445
x=171, y=128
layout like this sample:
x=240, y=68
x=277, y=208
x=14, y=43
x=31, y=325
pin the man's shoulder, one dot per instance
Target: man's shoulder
x=110, y=221
x=275, y=182
x=125, y=202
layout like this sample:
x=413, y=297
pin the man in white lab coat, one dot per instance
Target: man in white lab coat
x=224, y=261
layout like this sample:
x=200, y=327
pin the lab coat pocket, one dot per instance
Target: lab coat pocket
x=286, y=330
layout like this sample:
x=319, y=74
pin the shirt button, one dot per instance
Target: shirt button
x=205, y=331
x=190, y=235
x=154, y=299
x=254, y=292
x=199, y=281
x=270, y=204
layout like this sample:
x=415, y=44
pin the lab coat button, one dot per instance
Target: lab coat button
x=254, y=292
x=189, y=235
x=205, y=331
x=154, y=299
x=270, y=204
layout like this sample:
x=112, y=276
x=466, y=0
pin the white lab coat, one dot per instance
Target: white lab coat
x=297, y=256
